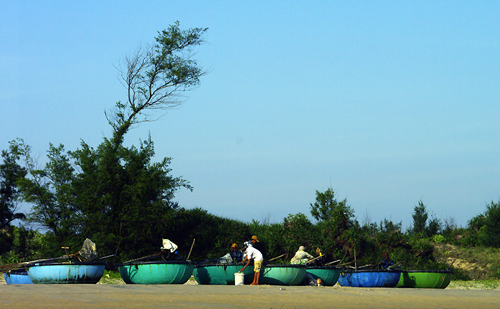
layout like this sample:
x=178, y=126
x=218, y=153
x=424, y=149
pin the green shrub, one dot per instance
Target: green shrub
x=438, y=239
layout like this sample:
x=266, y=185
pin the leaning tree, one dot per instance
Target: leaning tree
x=119, y=196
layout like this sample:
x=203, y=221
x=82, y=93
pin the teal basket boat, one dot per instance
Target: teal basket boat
x=425, y=279
x=66, y=272
x=156, y=272
x=221, y=274
x=282, y=274
x=329, y=275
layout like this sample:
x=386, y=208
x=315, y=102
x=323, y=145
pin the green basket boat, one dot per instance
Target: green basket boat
x=282, y=274
x=221, y=274
x=425, y=279
x=329, y=275
x=158, y=272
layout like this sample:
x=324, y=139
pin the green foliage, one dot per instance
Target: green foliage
x=271, y=237
x=327, y=208
x=490, y=231
x=297, y=229
x=213, y=235
x=449, y=228
x=438, y=239
x=387, y=226
x=10, y=172
x=115, y=195
x=124, y=197
x=24, y=245
x=419, y=216
x=477, y=222
x=460, y=274
x=495, y=270
x=420, y=224
x=482, y=229
x=50, y=192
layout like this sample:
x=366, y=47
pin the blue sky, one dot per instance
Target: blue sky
x=387, y=102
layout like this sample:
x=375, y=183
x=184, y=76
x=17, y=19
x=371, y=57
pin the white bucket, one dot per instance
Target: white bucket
x=239, y=279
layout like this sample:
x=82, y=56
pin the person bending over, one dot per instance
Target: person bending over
x=253, y=254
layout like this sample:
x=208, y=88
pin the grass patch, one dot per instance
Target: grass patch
x=475, y=285
x=474, y=263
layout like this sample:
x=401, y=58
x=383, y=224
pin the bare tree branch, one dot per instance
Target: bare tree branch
x=156, y=77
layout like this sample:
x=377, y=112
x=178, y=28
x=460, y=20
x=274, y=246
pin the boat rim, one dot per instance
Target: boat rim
x=65, y=263
x=19, y=271
x=372, y=270
x=218, y=264
x=284, y=265
x=324, y=267
x=445, y=271
x=153, y=262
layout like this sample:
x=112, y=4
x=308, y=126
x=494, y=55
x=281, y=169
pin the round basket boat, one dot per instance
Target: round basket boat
x=425, y=279
x=370, y=278
x=329, y=275
x=17, y=276
x=282, y=274
x=156, y=272
x=66, y=272
x=221, y=274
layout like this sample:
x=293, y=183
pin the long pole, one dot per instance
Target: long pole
x=6, y=268
x=333, y=262
x=313, y=259
x=276, y=258
x=355, y=263
x=190, y=250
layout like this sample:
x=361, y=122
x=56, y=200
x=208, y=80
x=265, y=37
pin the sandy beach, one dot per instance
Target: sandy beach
x=265, y=296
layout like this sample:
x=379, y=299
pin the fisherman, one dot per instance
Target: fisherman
x=320, y=259
x=258, y=245
x=236, y=253
x=168, y=250
x=301, y=257
x=386, y=262
x=253, y=254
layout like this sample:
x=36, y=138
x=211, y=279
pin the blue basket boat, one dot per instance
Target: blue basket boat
x=156, y=272
x=66, y=272
x=17, y=276
x=370, y=278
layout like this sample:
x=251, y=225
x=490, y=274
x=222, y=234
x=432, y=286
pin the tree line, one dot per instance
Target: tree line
x=124, y=200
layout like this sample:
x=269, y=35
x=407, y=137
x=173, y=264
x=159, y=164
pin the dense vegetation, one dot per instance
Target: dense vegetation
x=124, y=200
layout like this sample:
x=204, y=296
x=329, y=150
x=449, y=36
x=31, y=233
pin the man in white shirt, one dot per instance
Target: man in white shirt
x=253, y=254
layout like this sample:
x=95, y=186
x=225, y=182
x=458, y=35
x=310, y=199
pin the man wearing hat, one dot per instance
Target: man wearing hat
x=236, y=253
x=301, y=257
x=252, y=253
x=258, y=245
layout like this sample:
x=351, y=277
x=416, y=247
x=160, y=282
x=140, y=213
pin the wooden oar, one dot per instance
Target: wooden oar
x=6, y=268
x=187, y=259
x=276, y=257
x=107, y=256
x=146, y=257
x=364, y=266
x=333, y=262
x=346, y=263
x=314, y=259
